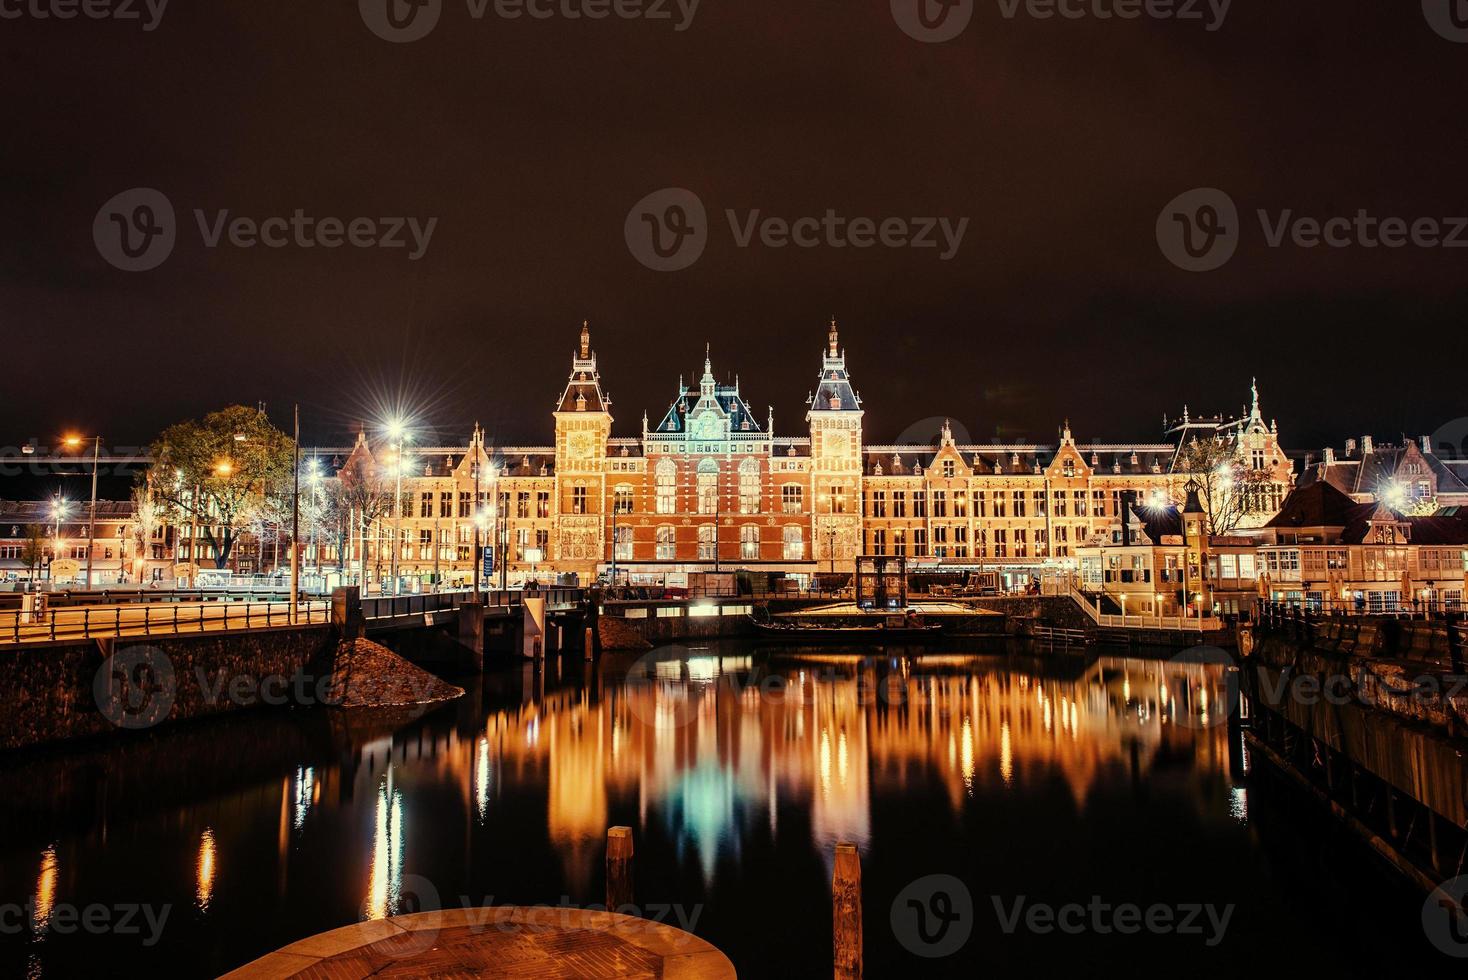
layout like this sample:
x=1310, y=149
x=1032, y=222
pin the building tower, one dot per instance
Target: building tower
x=583, y=426
x=835, y=416
x=1195, y=543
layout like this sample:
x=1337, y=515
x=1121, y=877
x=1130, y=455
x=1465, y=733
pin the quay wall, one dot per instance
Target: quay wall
x=58, y=691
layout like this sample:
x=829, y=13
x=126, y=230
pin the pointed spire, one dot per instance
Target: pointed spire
x=833, y=340
x=585, y=339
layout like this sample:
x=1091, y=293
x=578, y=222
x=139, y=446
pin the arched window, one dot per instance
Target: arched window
x=794, y=543
x=667, y=477
x=622, y=543
x=749, y=488
x=749, y=542
x=708, y=486
x=667, y=543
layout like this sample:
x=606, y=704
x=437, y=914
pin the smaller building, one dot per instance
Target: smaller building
x=1161, y=562
x=1325, y=549
x=38, y=545
x=1410, y=478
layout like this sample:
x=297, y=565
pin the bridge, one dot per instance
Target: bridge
x=141, y=613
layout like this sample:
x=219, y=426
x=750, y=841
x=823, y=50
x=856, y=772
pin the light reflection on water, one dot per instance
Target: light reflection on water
x=729, y=767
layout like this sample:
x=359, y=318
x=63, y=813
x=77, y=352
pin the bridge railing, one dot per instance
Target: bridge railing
x=390, y=607
x=86, y=622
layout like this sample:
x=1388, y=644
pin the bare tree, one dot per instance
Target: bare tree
x=33, y=551
x=147, y=517
x=1227, y=488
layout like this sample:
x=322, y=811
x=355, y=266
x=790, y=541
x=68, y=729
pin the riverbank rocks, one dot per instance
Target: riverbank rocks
x=368, y=675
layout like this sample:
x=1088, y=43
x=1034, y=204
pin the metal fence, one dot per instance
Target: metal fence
x=404, y=606
x=149, y=619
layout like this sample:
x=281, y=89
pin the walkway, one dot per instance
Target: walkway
x=504, y=941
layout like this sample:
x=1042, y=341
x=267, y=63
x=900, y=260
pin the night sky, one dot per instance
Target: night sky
x=530, y=140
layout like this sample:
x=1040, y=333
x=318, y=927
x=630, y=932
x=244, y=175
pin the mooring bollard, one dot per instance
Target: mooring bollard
x=846, y=913
x=619, y=868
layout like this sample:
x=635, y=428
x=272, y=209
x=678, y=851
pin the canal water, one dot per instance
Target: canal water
x=1080, y=814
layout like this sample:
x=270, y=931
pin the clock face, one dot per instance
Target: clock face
x=707, y=427
x=837, y=443
x=581, y=444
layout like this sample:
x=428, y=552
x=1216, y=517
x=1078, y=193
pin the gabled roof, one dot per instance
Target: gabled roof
x=1318, y=505
x=834, y=392
x=724, y=399
x=583, y=390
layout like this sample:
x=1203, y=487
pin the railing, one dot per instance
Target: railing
x=149, y=619
x=1189, y=624
x=386, y=608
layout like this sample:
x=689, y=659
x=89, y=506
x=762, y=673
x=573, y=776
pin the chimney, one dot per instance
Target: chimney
x=1350, y=448
x=1366, y=448
x=1427, y=445
x=1128, y=497
x=1329, y=455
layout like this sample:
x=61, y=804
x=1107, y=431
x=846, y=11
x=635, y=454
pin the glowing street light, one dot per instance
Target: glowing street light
x=60, y=508
x=397, y=433
x=75, y=442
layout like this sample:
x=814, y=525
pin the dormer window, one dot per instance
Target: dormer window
x=948, y=469
x=580, y=403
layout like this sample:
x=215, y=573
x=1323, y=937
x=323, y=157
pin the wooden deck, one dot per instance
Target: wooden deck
x=504, y=941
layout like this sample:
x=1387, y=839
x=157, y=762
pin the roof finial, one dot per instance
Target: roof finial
x=1254, y=388
x=833, y=338
x=585, y=339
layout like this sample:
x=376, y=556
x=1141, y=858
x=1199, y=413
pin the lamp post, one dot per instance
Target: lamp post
x=397, y=432
x=58, y=514
x=73, y=442
x=477, y=520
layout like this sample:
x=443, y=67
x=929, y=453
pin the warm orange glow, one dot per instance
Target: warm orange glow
x=45, y=892
x=204, y=871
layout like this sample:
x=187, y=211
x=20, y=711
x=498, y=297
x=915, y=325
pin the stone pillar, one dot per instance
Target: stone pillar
x=346, y=613
x=532, y=630
x=471, y=634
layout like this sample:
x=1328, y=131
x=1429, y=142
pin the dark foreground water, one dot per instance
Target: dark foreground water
x=1046, y=788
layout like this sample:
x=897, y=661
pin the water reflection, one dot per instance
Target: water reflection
x=204, y=870
x=45, y=899
x=385, y=884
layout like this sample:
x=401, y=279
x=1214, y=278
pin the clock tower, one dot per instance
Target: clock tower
x=583, y=426
x=835, y=447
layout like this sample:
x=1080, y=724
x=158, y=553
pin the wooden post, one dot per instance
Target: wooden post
x=846, y=912
x=589, y=648
x=619, y=868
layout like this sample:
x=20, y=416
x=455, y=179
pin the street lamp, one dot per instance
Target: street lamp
x=75, y=442
x=59, y=508
x=397, y=433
